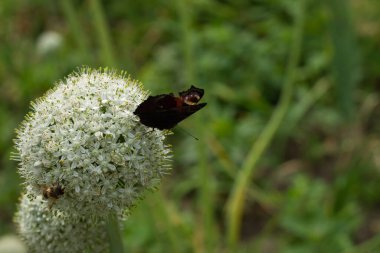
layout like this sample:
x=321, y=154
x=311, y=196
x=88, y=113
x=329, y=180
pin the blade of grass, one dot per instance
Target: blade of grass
x=184, y=12
x=101, y=28
x=371, y=245
x=320, y=88
x=254, y=193
x=74, y=23
x=206, y=203
x=235, y=203
x=168, y=219
x=206, y=226
x=345, y=60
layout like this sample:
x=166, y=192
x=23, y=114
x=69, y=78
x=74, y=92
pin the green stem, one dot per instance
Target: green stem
x=206, y=179
x=165, y=217
x=345, y=61
x=113, y=232
x=103, y=33
x=235, y=204
x=77, y=31
x=306, y=102
x=184, y=11
x=206, y=203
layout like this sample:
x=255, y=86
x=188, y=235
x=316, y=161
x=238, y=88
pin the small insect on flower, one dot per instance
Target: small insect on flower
x=166, y=110
x=53, y=192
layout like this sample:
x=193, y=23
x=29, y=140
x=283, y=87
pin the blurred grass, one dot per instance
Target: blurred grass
x=101, y=29
x=77, y=31
x=235, y=202
x=345, y=61
x=315, y=186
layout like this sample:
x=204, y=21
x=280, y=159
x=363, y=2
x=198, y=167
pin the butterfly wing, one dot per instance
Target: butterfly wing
x=165, y=111
x=151, y=110
x=167, y=119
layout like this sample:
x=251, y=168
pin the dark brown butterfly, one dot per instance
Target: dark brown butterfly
x=166, y=110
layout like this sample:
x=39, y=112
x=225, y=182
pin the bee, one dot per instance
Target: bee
x=53, y=192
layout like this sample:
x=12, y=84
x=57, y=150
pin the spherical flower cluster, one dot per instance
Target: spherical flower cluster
x=46, y=231
x=84, y=137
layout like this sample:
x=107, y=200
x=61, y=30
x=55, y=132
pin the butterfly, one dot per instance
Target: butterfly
x=165, y=111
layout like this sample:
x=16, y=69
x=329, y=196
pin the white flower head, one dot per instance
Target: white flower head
x=83, y=136
x=44, y=230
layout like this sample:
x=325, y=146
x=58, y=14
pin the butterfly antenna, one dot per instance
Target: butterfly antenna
x=187, y=132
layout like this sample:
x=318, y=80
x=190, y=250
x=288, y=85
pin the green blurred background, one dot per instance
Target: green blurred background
x=288, y=157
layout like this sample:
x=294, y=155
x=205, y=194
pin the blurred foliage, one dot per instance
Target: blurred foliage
x=315, y=189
